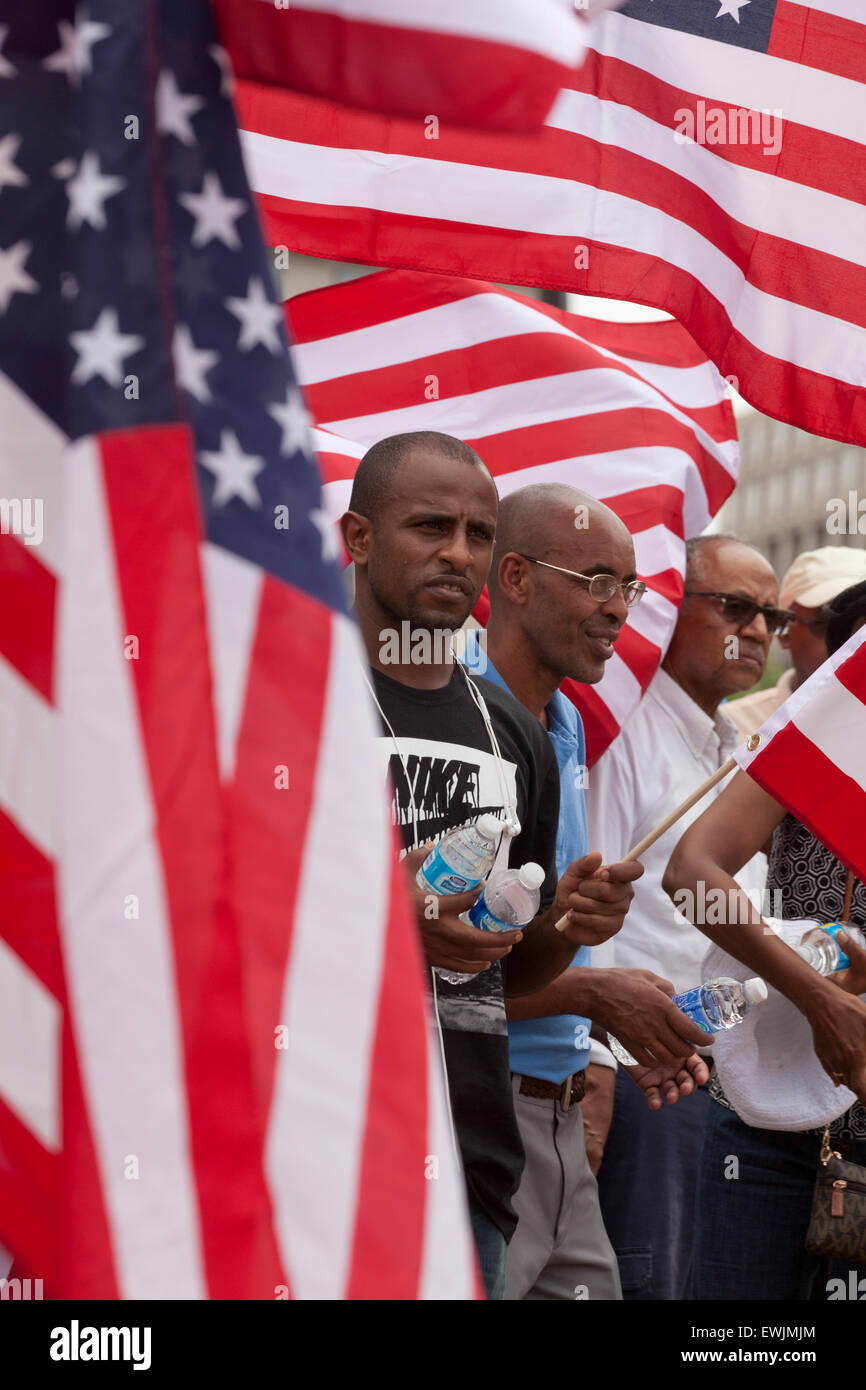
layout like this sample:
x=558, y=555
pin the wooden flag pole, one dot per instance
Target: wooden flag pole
x=849, y=893
x=752, y=742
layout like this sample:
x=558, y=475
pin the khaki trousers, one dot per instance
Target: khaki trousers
x=560, y=1248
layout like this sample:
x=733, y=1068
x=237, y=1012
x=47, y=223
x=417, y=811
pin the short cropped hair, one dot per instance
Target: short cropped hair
x=696, y=547
x=381, y=462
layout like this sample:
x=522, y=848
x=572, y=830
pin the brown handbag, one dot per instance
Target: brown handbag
x=837, y=1224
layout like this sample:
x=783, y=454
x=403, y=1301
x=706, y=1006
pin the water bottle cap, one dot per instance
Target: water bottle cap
x=489, y=826
x=755, y=989
x=531, y=875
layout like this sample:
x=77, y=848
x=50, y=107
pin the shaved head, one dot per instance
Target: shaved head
x=376, y=473
x=542, y=518
x=544, y=620
x=420, y=534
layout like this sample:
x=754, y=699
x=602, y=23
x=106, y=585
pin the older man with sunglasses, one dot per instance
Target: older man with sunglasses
x=677, y=738
x=813, y=580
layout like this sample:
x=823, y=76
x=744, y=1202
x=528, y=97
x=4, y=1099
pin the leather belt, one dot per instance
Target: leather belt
x=572, y=1090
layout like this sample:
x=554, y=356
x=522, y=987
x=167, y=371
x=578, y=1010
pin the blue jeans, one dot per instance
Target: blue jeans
x=647, y=1190
x=752, y=1212
x=491, y=1246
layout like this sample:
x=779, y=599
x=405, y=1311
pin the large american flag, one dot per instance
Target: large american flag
x=216, y=1076
x=632, y=413
x=491, y=63
x=756, y=244
x=812, y=754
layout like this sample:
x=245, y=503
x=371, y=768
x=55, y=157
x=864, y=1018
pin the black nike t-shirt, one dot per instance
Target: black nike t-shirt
x=447, y=760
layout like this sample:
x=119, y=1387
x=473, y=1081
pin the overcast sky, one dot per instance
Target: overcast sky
x=624, y=311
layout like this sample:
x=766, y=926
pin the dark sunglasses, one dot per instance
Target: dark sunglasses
x=741, y=611
x=817, y=626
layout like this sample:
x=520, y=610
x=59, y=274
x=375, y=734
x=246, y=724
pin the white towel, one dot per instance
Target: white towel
x=767, y=1064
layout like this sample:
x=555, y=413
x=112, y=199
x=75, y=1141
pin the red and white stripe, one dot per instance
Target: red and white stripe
x=761, y=256
x=632, y=413
x=812, y=755
x=167, y=909
x=489, y=63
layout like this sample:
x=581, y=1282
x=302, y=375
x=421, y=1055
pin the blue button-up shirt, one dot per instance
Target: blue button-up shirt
x=553, y=1048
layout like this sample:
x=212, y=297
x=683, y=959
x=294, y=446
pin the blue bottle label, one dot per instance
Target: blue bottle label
x=690, y=1003
x=480, y=916
x=833, y=929
x=442, y=879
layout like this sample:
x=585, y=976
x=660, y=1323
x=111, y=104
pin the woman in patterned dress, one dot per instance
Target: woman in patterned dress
x=755, y=1185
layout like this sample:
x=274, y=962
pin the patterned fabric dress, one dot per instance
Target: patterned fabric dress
x=811, y=883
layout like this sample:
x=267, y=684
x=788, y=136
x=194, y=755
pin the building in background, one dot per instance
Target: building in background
x=310, y=273
x=793, y=489
x=305, y=273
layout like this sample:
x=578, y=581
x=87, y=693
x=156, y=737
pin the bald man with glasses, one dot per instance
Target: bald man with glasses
x=600, y=585
x=554, y=618
x=677, y=738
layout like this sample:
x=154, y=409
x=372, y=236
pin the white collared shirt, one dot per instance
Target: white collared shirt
x=750, y=713
x=667, y=748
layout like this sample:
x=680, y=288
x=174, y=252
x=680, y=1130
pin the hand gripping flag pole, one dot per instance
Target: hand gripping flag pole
x=752, y=742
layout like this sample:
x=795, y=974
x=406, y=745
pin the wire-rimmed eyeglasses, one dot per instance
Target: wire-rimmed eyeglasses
x=601, y=586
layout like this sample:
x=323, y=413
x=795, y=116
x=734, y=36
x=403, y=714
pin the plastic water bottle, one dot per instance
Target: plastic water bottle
x=714, y=1006
x=462, y=859
x=509, y=900
x=820, y=949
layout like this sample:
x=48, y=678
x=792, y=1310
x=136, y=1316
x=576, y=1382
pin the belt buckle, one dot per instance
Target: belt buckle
x=565, y=1094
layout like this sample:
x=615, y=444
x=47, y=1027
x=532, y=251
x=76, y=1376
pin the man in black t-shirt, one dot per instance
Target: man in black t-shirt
x=420, y=532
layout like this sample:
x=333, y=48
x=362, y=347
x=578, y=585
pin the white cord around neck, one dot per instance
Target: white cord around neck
x=403, y=762
x=511, y=820
x=508, y=805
